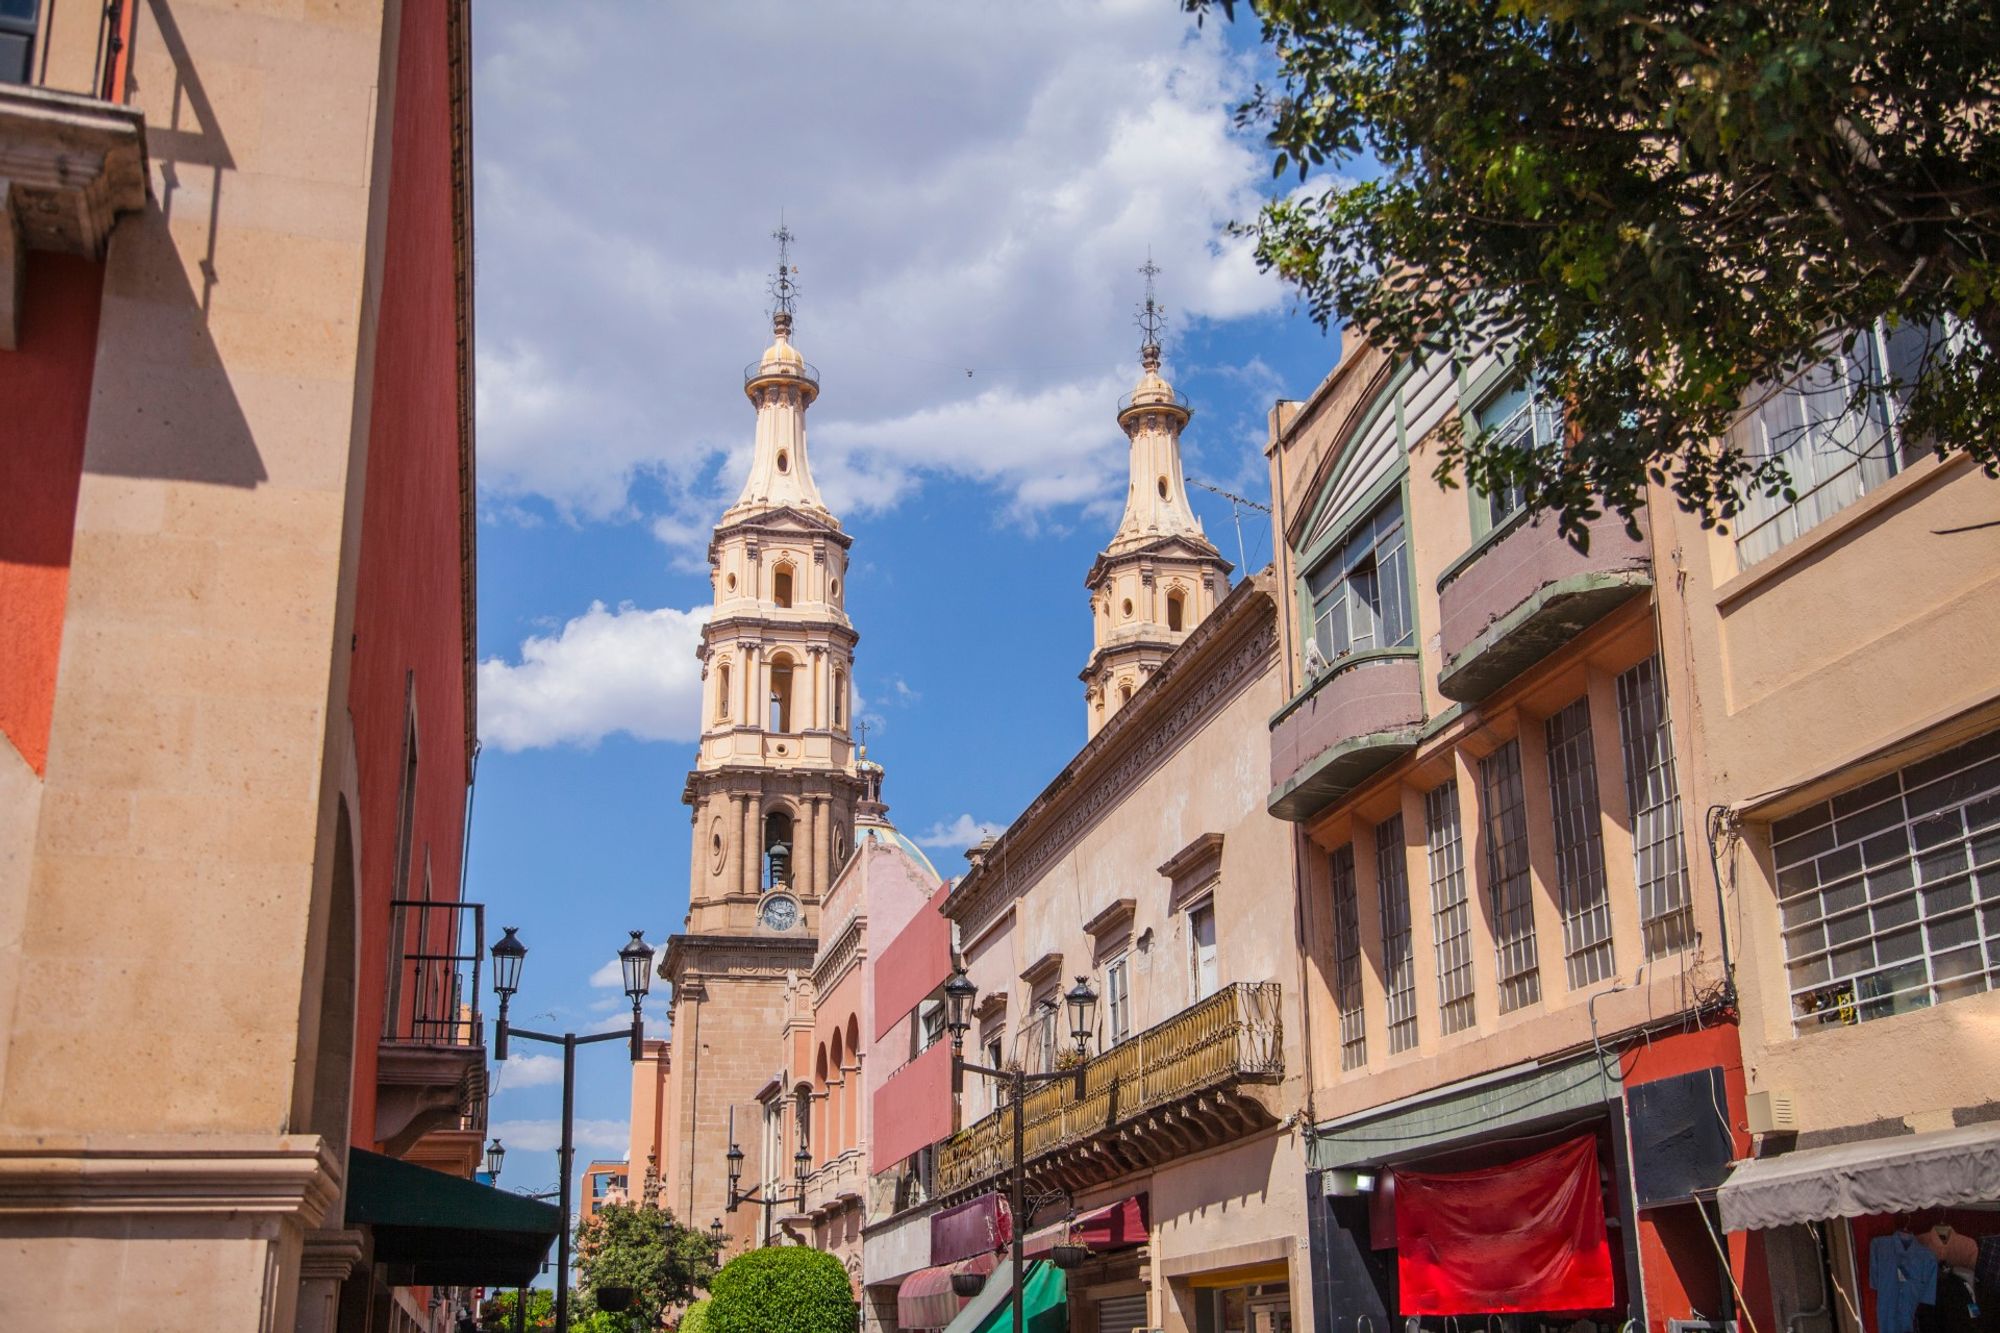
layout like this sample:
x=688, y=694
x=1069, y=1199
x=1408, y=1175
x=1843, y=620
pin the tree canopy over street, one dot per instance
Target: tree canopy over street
x=1662, y=206
x=646, y=1249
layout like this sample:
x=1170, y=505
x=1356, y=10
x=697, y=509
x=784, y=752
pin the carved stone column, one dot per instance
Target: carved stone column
x=326, y=1260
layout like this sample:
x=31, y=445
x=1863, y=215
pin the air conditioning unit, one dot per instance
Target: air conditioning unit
x=1771, y=1112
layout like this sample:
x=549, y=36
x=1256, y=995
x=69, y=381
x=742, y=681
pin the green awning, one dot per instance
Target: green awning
x=439, y=1230
x=1044, y=1306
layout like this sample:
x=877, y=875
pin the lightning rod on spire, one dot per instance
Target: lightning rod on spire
x=784, y=283
x=1152, y=315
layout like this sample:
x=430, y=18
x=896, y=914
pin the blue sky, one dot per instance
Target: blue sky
x=973, y=188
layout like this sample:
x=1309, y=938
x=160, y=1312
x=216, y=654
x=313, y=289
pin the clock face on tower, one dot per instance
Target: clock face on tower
x=779, y=912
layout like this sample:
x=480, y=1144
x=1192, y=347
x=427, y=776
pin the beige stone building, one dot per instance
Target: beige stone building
x=772, y=795
x=1150, y=867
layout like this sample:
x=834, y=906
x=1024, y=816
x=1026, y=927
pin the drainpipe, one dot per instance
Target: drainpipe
x=1718, y=819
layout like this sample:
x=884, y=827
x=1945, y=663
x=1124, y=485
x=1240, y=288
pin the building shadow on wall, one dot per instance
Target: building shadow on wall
x=178, y=416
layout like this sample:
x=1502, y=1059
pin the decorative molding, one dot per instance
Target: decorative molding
x=332, y=1255
x=1192, y=869
x=1118, y=915
x=294, y=1176
x=840, y=957
x=1048, y=966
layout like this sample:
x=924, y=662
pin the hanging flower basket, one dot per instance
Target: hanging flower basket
x=1069, y=1256
x=967, y=1285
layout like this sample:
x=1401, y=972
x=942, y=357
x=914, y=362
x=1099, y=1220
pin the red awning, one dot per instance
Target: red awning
x=926, y=1300
x=1524, y=1237
x=1115, y=1226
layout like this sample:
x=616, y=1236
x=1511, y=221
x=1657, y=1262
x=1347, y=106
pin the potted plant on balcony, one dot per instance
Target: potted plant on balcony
x=1068, y=1058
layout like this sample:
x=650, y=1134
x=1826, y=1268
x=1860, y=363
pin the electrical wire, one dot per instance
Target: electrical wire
x=1728, y=1269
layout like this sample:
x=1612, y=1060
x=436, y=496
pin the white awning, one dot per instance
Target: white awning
x=1896, y=1175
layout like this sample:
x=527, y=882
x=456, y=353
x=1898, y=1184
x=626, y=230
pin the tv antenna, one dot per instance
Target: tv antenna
x=1152, y=315
x=1237, y=504
x=784, y=283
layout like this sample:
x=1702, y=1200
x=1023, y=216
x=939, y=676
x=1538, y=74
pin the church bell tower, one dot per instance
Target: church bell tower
x=774, y=788
x=1160, y=576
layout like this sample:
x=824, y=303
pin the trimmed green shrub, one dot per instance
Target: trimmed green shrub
x=784, y=1289
x=695, y=1320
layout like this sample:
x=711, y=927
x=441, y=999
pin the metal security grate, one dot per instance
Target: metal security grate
x=1579, y=830
x=1891, y=891
x=1666, y=919
x=1392, y=882
x=1451, y=912
x=1507, y=878
x=1347, y=959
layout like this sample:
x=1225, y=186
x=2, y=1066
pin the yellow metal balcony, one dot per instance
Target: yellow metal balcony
x=1204, y=1077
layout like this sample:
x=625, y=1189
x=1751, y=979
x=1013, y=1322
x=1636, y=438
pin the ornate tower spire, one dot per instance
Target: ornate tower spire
x=1159, y=576
x=782, y=384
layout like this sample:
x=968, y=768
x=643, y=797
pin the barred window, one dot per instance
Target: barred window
x=1347, y=959
x=1392, y=883
x=1579, y=830
x=1666, y=919
x=1507, y=878
x=1890, y=892
x=1451, y=912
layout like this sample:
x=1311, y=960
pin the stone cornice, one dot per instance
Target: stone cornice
x=295, y=1176
x=1223, y=654
x=725, y=627
x=1189, y=550
x=762, y=957
x=765, y=523
x=841, y=957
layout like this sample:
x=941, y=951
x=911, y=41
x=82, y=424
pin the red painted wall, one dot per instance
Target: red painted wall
x=408, y=611
x=913, y=965
x=1677, y=1251
x=44, y=409
x=912, y=1109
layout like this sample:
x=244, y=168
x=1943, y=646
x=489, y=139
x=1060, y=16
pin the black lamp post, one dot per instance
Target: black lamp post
x=959, y=995
x=495, y=1155
x=636, y=960
x=801, y=1168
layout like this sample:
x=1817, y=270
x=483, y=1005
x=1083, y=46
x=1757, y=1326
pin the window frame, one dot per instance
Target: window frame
x=1199, y=909
x=1543, y=418
x=1333, y=597
x=1117, y=998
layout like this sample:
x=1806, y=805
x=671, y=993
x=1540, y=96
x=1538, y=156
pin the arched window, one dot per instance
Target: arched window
x=781, y=694
x=839, y=698
x=1125, y=692
x=722, y=692
x=1176, y=610
x=781, y=586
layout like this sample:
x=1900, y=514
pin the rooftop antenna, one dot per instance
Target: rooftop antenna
x=1237, y=504
x=784, y=283
x=1152, y=315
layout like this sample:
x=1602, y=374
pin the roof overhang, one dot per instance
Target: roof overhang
x=432, y=1229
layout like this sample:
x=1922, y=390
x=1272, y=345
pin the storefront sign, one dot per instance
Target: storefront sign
x=978, y=1227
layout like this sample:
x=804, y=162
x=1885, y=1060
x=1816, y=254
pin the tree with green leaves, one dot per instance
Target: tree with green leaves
x=783, y=1289
x=695, y=1318
x=1662, y=209
x=498, y=1311
x=625, y=1245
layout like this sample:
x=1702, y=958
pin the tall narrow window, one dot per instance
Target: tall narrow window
x=722, y=692
x=1451, y=911
x=1361, y=592
x=781, y=694
x=1518, y=418
x=1042, y=1035
x=1579, y=830
x=1392, y=882
x=1201, y=945
x=1347, y=959
x=1507, y=878
x=1176, y=611
x=1666, y=919
x=781, y=586
x=1117, y=1001
x=839, y=698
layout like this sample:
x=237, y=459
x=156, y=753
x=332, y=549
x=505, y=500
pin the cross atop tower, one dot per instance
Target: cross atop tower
x=1152, y=316
x=784, y=284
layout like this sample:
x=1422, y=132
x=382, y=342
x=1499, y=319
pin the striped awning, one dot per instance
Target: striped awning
x=926, y=1300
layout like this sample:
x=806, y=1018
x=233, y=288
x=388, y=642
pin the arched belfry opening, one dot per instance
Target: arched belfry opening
x=781, y=694
x=1176, y=611
x=781, y=586
x=777, y=849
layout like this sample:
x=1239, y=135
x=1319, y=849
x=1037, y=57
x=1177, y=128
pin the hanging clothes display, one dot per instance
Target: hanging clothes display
x=1904, y=1275
x=1526, y=1236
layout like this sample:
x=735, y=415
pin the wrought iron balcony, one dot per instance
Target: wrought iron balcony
x=1204, y=1077
x=430, y=1063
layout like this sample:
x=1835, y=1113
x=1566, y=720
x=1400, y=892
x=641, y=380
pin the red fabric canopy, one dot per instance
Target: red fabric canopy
x=1115, y=1226
x=926, y=1300
x=1527, y=1236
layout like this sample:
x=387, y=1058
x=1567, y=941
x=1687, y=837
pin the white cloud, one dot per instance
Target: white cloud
x=610, y=975
x=973, y=187
x=606, y=1136
x=959, y=834
x=630, y=670
x=526, y=1071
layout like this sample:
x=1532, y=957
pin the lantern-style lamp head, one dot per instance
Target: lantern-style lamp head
x=1082, y=1012
x=508, y=953
x=959, y=995
x=636, y=958
x=802, y=1165
x=495, y=1155
x=715, y=1233
x=735, y=1156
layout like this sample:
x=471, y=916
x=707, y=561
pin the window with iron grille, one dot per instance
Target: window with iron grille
x=1347, y=959
x=1666, y=919
x=1507, y=878
x=1392, y=883
x=1518, y=418
x=1451, y=911
x=1580, y=886
x=1890, y=892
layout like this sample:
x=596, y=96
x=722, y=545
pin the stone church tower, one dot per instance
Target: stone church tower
x=1160, y=576
x=773, y=791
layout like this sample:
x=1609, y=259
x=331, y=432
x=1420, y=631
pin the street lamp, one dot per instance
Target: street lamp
x=495, y=1155
x=715, y=1234
x=636, y=959
x=959, y=996
x=801, y=1168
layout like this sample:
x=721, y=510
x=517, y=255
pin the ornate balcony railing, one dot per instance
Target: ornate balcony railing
x=435, y=953
x=779, y=370
x=1185, y=1084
